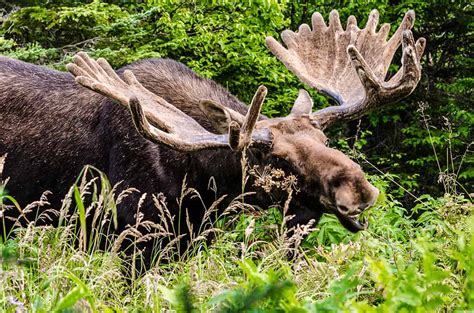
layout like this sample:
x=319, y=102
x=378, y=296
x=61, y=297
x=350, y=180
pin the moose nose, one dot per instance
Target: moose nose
x=348, y=211
x=343, y=209
x=364, y=206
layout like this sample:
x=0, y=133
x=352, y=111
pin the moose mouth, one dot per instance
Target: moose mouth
x=353, y=223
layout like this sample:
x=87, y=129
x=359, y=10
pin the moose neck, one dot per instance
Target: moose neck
x=220, y=172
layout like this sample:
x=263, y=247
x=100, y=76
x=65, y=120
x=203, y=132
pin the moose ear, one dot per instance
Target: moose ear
x=303, y=104
x=218, y=115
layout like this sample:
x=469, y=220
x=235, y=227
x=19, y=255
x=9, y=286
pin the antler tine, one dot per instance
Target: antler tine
x=372, y=22
x=240, y=138
x=411, y=56
x=253, y=112
x=320, y=59
x=394, y=42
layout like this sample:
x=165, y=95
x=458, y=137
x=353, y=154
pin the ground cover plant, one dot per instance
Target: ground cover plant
x=417, y=255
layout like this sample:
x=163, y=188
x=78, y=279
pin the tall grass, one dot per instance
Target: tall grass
x=420, y=259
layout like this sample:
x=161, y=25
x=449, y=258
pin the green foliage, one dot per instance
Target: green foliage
x=259, y=289
x=58, y=27
x=412, y=288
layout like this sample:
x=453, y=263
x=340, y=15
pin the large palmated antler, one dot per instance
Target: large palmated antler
x=350, y=65
x=155, y=118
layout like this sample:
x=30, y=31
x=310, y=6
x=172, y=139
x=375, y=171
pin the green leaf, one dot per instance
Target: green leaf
x=82, y=215
x=70, y=299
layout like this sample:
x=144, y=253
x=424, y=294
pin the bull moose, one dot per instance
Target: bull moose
x=171, y=123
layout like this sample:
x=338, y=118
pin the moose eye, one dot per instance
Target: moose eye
x=336, y=183
x=326, y=142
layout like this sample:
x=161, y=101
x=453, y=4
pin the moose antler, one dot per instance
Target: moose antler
x=350, y=65
x=155, y=118
x=240, y=137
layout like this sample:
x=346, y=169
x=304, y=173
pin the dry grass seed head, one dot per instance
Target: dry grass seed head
x=270, y=178
x=2, y=163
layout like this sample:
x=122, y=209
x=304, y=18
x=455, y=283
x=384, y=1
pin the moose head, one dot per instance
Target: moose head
x=348, y=65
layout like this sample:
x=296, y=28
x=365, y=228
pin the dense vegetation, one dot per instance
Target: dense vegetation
x=418, y=253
